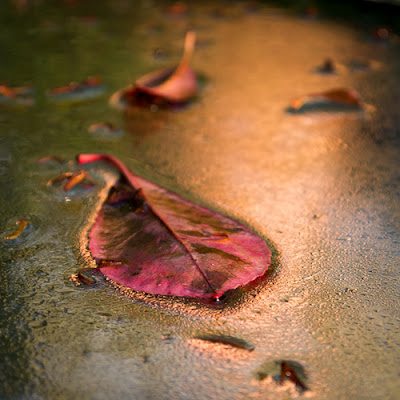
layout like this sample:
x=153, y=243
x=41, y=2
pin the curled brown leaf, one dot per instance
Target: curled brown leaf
x=177, y=9
x=82, y=277
x=340, y=96
x=76, y=178
x=226, y=340
x=50, y=159
x=294, y=372
x=91, y=88
x=22, y=225
x=170, y=86
x=71, y=179
x=21, y=95
x=327, y=67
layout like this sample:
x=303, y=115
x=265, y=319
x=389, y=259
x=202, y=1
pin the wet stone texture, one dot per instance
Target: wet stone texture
x=321, y=187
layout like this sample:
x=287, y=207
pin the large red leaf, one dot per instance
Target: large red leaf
x=149, y=239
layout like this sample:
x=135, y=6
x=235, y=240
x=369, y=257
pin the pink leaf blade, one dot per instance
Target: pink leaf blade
x=157, y=242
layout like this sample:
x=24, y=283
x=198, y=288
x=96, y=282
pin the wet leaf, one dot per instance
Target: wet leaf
x=22, y=225
x=382, y=34
x=82, y=278
x=283, y=370
x=327, y=67
x=294, y=372
x=21, y=96
x=221, y=346
x=226, y=340
x=76, y=178
x=74, y=92
x=149, y=239
x=177, y=9
x=170, y=86
x=70, y=179
x=348, y=98
x=51, y=159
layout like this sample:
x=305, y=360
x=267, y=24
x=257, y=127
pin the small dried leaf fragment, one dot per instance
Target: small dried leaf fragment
x=382, y=34
x=294, y=372
x=76, y=178
x=21, y=95
x=177, y=9
x=71, y=179
x=82, y=278
x=281, y=371
x=74, y=92
x=51, y=159
x=327, y=67
x=342, y=97
x=170, y=86
x=22, y=225
x=226, y=340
